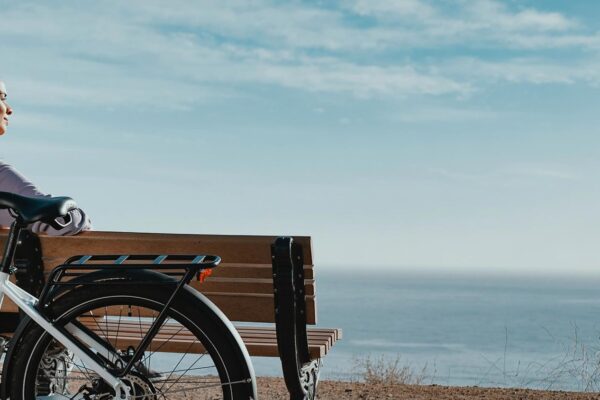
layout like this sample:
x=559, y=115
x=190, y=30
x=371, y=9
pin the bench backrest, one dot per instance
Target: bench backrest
x=242, y=286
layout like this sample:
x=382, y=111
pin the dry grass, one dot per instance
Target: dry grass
x=384, y=371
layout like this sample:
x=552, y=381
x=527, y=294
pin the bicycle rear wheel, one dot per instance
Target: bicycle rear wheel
x=203, y=362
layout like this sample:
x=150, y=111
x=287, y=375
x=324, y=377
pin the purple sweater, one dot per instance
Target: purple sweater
x=12, y=181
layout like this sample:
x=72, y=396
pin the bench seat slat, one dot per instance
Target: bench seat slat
x=260, y=341
x=251, y=334
x=134, y=326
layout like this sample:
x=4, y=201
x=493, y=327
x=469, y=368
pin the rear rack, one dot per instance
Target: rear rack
x=165, y=260
x=177, y=265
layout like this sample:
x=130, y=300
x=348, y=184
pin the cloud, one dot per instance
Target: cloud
x=463, y=18
x=100, y=49
x=527, y=70
x=395, y=9
x=196, y=52
x=493, y=15
x=390, y=24
x=540, y=21
x=483, y=23
x=334, y=76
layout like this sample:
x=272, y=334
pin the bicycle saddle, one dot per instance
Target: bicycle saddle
x=32, y=209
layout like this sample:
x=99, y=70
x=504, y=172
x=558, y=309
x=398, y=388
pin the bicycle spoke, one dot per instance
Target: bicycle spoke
x=95, y=319
x=165, y=342
x=118, y=326
x=188, y=369
x=180, y=360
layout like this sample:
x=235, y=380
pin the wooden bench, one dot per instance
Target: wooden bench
x=262, y=279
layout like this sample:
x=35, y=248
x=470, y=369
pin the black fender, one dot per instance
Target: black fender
x=243, y=356
x=142, y=275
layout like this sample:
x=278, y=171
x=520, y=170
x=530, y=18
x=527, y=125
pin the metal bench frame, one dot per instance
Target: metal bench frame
x=300, y=373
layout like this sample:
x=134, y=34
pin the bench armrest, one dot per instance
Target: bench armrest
x=300, y=373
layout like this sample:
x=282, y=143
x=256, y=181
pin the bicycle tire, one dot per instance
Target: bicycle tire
x=28, y=378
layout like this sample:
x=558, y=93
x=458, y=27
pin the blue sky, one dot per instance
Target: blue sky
x=456, y=135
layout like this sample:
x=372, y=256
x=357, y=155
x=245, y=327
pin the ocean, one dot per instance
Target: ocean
x=501, y=331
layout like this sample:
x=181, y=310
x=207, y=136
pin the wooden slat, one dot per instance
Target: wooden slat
x=242, y=285
x=238, y=307
x=232, y=248
x=260, y=341
x=251, y=334
x=255, y=308
x=258, y=286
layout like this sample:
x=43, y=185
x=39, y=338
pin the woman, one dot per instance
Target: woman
x=12, y=181
x=77, y=221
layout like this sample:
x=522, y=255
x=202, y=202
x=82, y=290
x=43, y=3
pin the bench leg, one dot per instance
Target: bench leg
x=301, y=374
x=309, y=379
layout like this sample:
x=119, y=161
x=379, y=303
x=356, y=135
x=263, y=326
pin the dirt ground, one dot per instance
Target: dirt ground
x=274, y=389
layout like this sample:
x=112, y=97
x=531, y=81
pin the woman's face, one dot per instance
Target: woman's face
x=5, y=109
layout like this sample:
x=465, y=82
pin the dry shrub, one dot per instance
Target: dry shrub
x=383, y=371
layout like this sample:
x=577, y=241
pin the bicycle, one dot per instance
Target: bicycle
x=68, y=347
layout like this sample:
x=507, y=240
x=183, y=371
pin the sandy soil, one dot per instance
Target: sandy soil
x=274, y=389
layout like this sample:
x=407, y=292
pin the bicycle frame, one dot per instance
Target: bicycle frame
x=27, y=303
x=71, y=335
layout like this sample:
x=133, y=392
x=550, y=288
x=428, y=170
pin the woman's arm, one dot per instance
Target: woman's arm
x=12, y=181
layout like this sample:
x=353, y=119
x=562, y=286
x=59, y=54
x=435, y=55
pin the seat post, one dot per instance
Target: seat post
x=11, y=245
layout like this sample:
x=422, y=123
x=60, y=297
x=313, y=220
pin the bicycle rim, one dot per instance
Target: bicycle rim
x=182, y=360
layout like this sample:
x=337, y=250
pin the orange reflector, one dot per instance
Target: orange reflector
x=205, y=273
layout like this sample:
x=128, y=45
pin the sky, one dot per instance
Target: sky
x=446, y=135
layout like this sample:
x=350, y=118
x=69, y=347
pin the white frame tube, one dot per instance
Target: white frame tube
x=27, y=303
